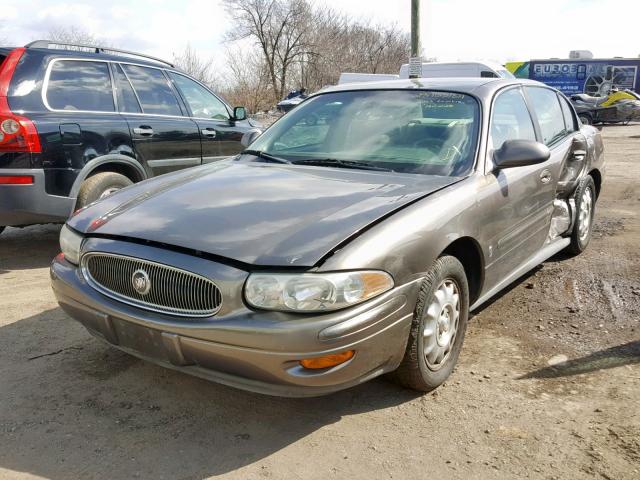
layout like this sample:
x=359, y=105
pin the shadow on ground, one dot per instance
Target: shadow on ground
x=29, y=247
x=618, y=356
x=72, y=407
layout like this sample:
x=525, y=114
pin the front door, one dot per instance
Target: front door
x=521, y=197
x=218, y=131
x=164, y=137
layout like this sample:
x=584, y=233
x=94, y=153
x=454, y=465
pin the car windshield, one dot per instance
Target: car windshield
x=408, y=131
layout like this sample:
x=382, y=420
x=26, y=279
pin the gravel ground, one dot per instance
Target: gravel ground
x=548, y=384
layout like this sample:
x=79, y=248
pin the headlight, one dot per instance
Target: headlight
x=70, y=243
x=312, y=292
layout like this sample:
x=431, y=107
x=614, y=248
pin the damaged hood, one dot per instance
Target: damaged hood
x=256, y=213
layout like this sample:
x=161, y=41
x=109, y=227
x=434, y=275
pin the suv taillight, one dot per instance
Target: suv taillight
x=17, y=133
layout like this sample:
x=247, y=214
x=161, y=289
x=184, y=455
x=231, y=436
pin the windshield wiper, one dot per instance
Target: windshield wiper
x=334, y=162
x=265, y=156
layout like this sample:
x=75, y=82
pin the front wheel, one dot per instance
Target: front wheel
x=585, y=209
x=438, y=327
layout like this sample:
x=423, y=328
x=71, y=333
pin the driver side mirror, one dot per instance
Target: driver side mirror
x=239, y=113
x=520, y=153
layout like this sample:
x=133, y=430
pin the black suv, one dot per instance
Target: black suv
x=79, y=122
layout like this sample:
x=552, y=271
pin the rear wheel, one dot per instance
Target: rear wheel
x=99, y=186
x=438, y=327
x=585, y=209
x=585, y=119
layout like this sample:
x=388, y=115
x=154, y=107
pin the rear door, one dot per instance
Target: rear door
x=219, y=133
x=164, y=137
x=558, y=130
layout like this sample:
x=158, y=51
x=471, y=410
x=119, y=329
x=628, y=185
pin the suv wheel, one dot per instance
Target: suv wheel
x=585, y=209
x=438, y=328
x=99, y=186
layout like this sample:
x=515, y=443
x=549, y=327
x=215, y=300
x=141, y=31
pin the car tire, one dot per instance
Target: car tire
x=438, y=327
x=585, y=208
x=585, y=119
x=99, y=186
x=2, y=230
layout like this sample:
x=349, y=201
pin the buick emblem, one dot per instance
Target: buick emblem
x=140, y=281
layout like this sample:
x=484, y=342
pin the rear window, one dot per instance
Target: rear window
x=154, y=92
x=79, y=85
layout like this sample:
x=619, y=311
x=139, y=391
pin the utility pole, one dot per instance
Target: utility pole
x=415, y=62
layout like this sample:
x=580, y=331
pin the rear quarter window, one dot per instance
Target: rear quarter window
x=79, y=85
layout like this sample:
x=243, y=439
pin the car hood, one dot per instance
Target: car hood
x=256, y=213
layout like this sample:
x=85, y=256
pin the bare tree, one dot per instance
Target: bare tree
x=310, y=47
x=201, y=69
x=73, y=34
x=278, y=28
x=248, y=82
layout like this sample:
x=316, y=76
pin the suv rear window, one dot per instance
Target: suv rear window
x=80, y=85
x=154, y=92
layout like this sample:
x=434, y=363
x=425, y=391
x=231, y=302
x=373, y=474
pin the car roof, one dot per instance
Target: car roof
x=61, y=52
x=469, y=85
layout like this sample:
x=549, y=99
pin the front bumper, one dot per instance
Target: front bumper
x=256, y=351
x=29, y=204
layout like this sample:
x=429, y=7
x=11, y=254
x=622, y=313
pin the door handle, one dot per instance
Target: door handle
x=209, y=132
x=143, y=130
x=579, y=155
x=545, y=176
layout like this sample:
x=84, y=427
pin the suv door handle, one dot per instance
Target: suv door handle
x=545, y=176
x=143, y=130
x=209, y=132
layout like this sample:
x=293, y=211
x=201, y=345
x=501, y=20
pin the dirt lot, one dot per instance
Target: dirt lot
x=71, y=407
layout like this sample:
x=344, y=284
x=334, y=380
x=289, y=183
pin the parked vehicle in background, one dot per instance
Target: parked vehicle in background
x=365, y=77
x=617, y=107
x=483, y=69
x=352, y=239
x=292, y=99
x=78, y=123
x=434, y=70
x=592, y=76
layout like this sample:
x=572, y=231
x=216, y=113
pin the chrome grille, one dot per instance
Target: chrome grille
x=171, y=291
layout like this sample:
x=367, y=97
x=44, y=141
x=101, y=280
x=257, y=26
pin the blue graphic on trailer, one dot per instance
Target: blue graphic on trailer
x=594, y=77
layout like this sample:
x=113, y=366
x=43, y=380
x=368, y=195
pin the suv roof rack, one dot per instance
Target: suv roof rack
x=96, y=48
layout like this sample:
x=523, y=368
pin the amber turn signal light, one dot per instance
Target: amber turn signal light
x=328, y=360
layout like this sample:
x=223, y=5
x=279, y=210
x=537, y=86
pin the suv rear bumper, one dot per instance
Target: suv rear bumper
x=29, y=204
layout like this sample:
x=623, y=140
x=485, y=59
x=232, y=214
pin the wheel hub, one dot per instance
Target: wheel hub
x=440, y=324
x=584, y=216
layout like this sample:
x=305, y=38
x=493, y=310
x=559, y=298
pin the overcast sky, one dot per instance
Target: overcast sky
x=499, y=30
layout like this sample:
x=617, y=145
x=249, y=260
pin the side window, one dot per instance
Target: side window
x=154, y=92
x=488, y=74
x=570, y=121
x=127, y=101
x=547, y=108
x=510, y=119
x=203, y=104
x=79, y=85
